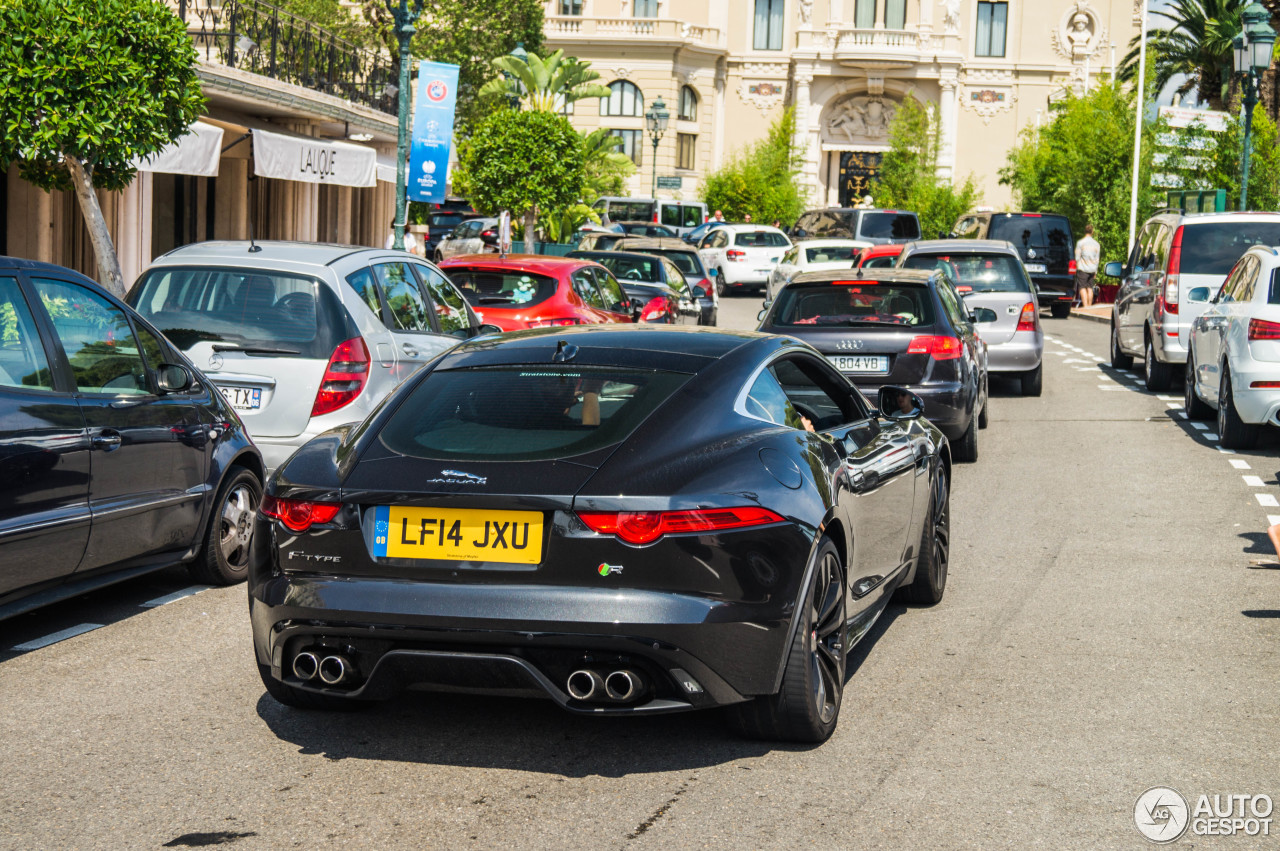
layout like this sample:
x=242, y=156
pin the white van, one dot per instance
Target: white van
x=680, y=216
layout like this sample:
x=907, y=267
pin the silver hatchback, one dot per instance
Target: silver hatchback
x=302, y=337
x=989, y=274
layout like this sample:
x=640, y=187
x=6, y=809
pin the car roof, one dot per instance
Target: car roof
x=241, y=251
x=747, y=228
x=684, y=343
x=41, y=266
x=639, y=222
x=538, y=263
x=639, y=243
x=1228, y=215
x=834, y=241
x=1012, y=213
x=960, y=246
x=883, y=248
x=638, y=255
x=871, y=276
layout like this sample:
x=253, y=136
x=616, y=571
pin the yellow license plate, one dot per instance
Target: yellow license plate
x=457, y=534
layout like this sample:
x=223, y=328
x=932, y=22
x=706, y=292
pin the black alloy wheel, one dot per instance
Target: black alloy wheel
x=807, y=706
x=1158, y=375
x=1196, y=409
x=1119, y=360
x=225, y=559
x=721, y=289
x=1234, y=432
x=930, y=581
x=984, y=418
x=966, y=448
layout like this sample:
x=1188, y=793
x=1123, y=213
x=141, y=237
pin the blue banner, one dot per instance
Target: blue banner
x=432, y=131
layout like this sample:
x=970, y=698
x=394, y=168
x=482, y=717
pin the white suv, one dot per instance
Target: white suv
x=1234, y=360
x=742, y=256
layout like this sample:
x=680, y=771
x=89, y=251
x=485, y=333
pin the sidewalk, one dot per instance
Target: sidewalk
x=1097, y=313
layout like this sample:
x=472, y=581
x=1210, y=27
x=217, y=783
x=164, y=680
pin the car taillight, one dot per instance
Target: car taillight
x=1266, y=385
x=644, y=527
x=936, y=346
x=548, y=323
x=705, y=283
x=654, y=310
x=488, y=234
x=1027, y=319
x=344, y=377
x=1071, y=267
x=735, y=254
x=299, y=515
x=1261, y=329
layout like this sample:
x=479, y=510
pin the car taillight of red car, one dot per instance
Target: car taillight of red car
x=344, y=377
x=656, y=310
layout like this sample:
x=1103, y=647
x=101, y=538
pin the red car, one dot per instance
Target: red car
x=533, y=291
x=878, y=256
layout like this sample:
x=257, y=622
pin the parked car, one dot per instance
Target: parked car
x=441, y=223
x=693, y=237
x=473, y=236
x=1176, y=252
x=623, y=520
x=895, y=326
x=1233, y=356
x=532, y=291
x=116, y=455
x=657, y=290
x=680, y=216
x=878, y=256
x=864, y=224
x=989, y=273
x=1044, y=243
x=595, y=240
x=813, y=255
x=301, y=337
x=644, y=229
x=688, y=261
x=743, y=256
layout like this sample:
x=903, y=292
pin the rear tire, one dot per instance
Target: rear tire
x=721, y=289
x=1119, y=360
x=1234, y=432
x=930, y=581
x=1060, y=310
x=1033, y=381
x=984, y=418
x=1158, y=375
x=966, y=448
x=1196, y=409
x=299, y=699
x=224, y=559
x=807, y=706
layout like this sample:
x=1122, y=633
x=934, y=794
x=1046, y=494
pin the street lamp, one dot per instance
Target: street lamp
x=656, y=120
x=513, y=99
x=1252, y=57
x=405, y=12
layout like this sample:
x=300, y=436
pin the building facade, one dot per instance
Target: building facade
x=298, y=143
x=727, y=68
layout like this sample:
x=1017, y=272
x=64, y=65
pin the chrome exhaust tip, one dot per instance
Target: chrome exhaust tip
x=306, y=665
x=334, y=670
x=623, y=685
x=584, y=684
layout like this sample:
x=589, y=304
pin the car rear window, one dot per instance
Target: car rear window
x=630, y=268
x=1038, y=231
x=889, y=226
x=622, y=211
x=853, y=303
x=444, y=220
x=524, y=413
x=830, y=253
x=247, y=308
x=1212, y=248
x=982, y=273
x=501, y=288
x=760, y=239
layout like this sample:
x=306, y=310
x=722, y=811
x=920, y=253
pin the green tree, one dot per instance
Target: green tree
x=1080, y=164
x=87, y=86
x=762, y=179
x=524, y=162
x=606, y=167
x=1197, y=43
x=909, y=172
x=545, y=84
x=1209, y=160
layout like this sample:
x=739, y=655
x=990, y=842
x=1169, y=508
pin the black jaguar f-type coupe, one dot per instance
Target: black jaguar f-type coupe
x=622, y=519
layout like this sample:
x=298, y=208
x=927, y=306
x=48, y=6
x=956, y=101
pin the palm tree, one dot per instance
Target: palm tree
x=607, y=167
x=1198, y=45
x=545, y=85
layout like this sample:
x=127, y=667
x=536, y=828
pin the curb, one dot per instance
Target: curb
x=1092, y=317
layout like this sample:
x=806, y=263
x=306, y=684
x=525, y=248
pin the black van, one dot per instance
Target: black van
x=869, y=225
x=1044, y=242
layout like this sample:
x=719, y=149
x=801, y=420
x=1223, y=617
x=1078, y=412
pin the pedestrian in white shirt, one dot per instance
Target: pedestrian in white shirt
x=1088, y=252
x=411, y=243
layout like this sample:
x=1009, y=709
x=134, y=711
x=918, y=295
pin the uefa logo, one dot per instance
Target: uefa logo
x=1161, y=814
x=437, y=90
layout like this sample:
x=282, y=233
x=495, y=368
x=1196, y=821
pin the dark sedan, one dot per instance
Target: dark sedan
x=657, y=289
x=895, y=326
x=623, y=520
x=116, y=455
x=688, y=261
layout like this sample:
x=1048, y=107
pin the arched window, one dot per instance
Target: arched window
x=688, y=104
x=624, y=99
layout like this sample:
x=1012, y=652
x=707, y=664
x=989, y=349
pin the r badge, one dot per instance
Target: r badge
x=606, y=569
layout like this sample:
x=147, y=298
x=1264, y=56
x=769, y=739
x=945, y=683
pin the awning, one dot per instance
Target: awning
x=386, y=168
x=196, y=153
x=302, y=158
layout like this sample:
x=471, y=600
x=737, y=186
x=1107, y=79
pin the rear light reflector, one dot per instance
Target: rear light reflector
x=1071, y=267
x=299, y=515
x=936, y=346
x=1261, y=329
x=1265, y=384
x=735, y=254
x=1027, y=319
x=344, y=377
x=547, y=323
x=644, y=527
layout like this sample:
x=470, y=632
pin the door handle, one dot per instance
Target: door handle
x=409, y=350
x=107, y=440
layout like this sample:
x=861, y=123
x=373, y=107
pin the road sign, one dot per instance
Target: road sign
x=670, y=182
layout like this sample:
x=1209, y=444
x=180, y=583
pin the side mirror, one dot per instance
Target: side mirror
x=713, y=273
x=1113, y=270
x=1198, y=294
x=762, y=314
x=899, y=403
x=699, y=292
x=983, y=314
x=173, y=378
x=481, y=330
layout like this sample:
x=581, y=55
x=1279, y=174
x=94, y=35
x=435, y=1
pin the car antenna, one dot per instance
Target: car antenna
x=564, y=352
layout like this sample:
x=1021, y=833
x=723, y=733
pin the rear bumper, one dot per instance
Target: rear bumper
x=1054, y=289
x=1020, y=353
x=1255, y=405
x=1168, y=349
x=742, y=275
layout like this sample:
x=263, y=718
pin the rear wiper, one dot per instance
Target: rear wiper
x=254, y=350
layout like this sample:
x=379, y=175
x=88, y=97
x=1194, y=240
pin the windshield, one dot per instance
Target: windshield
x=501, y=288
x=1037, y=231
x=844, y=304
x=889, y=226
x=524, y=414
x=830, y=253
x=629, y=267
x=981, y=273
x=1212, y=248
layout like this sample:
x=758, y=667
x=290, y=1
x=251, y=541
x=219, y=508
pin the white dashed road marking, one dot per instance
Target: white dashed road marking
x=1273, y=519
x=1266, y=500
x=1253, y=481
x=1240, y=464
x=1199, y=426
x=61, y=635
x=176, y=595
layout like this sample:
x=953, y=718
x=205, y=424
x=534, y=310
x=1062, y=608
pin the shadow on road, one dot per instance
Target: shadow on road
x=1261, y=613
x=1258, y=543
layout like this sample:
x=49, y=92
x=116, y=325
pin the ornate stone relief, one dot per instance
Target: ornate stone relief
x=806, y=10
x=859, y=118
x=764, y=96
x=765, y=69
x=1080, y=33
x=951, y=17
x=620, y=73
x=988, y=92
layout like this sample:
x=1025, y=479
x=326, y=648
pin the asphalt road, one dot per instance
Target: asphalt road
x=1103, y=632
